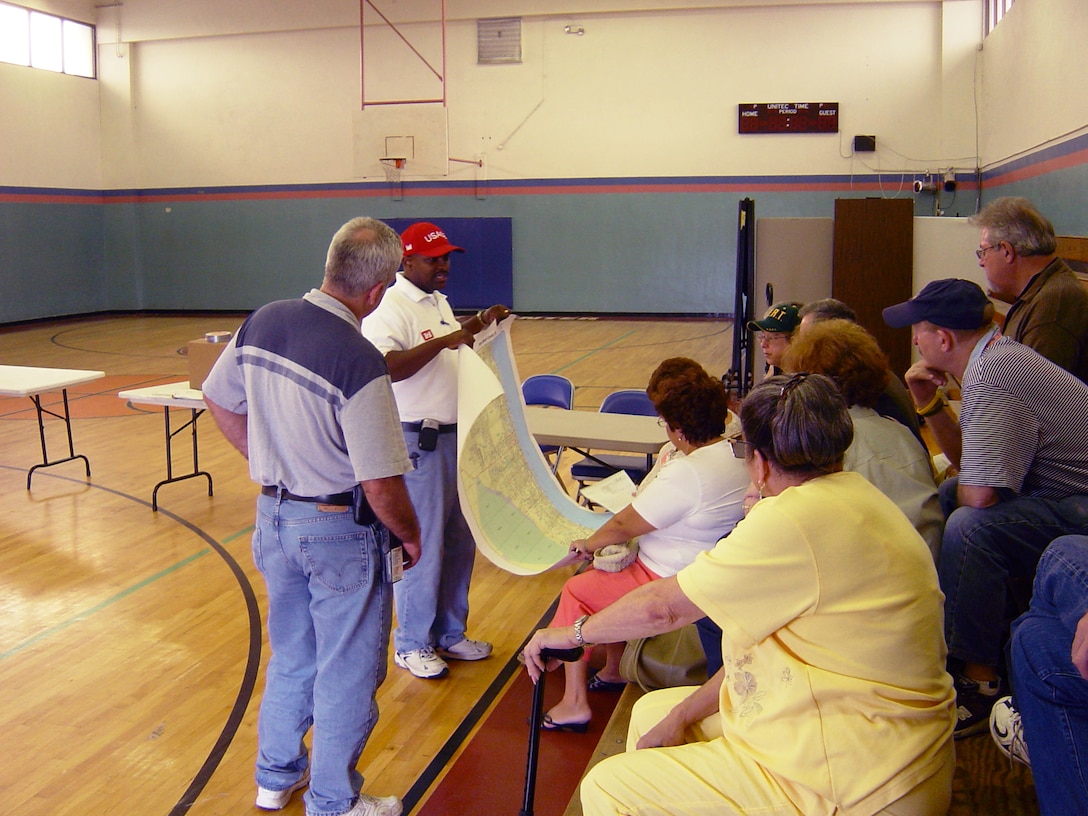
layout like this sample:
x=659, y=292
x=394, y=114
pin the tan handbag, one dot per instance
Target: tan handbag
x=665, y=661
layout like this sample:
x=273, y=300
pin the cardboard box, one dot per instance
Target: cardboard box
x=202, y=356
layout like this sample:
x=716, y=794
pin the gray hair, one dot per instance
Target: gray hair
x=799, y=423
x=363, y=253
x=828, y=309
x=1015, y=221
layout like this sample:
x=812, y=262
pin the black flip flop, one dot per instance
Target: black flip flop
x=548, y=724
x=595, y=683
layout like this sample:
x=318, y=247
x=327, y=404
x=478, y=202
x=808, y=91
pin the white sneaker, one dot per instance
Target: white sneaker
x=466, y=649
x=1008, y=731
x=278, y=799
x=423, y=663
x=375, y=806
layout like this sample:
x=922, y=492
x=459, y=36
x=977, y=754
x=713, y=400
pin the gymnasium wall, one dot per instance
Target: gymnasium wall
x=210, y=164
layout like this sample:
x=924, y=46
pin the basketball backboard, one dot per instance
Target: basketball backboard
x=413, y=132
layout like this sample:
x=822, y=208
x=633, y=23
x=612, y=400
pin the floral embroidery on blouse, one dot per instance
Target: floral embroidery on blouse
x=746, y=688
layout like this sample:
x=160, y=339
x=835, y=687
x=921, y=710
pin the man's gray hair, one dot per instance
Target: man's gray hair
x=363, y=253
x=1015, y=221
x=828, y=309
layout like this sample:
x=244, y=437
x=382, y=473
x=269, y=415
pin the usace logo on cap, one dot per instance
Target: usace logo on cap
x=429, y=238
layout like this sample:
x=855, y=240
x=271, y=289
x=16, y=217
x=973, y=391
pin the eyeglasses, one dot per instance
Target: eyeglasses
x=662, y=423
x=739, y=446
x=982, y=250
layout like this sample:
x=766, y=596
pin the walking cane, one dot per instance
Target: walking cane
x=567, y=656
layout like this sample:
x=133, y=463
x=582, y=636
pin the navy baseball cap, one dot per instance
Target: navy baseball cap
x=951, y=303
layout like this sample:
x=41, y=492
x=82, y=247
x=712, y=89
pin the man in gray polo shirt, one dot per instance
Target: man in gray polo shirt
x=1021, y=446
x=308, y=401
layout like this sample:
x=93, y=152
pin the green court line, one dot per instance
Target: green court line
x=239, y=534
x=118, y=597
x=589, y=354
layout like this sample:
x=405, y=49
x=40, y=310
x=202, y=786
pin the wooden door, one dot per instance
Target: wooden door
x=873, y=264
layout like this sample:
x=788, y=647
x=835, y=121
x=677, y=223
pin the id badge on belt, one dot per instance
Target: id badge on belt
x=394, y=560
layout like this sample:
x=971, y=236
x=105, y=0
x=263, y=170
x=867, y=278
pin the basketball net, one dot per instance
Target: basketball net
x=393, y=168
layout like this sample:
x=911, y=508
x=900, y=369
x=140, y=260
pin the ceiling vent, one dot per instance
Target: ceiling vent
x=498, y=41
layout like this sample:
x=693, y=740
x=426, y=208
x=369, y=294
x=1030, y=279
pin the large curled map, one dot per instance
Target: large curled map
x=522, y=519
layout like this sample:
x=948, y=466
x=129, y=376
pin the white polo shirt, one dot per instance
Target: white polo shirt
x=407, y=317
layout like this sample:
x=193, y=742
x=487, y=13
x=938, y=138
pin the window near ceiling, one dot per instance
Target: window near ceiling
x=46, y=41
x=995, y=10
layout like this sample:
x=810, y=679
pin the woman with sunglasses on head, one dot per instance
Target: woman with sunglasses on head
x=686, y=503
x=834, y=697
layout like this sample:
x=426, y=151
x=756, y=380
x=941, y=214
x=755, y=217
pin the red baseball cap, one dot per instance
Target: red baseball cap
x=423, y=238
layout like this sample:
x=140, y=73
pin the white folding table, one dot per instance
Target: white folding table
x=582, y=430
x=29, y=381
x=173, y=395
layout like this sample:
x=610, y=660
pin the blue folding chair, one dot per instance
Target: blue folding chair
x=551, y=390
x=597, y=467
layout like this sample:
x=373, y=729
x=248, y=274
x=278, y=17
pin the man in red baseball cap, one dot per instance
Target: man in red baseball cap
x=416, y=330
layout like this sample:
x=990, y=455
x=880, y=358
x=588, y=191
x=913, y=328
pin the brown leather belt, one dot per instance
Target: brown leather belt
x=335, y=499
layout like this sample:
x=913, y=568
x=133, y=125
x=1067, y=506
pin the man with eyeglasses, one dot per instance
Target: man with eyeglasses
x=416, y=330
x=1049, y=305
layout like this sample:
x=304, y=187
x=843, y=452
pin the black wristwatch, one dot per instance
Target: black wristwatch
x=581, y=641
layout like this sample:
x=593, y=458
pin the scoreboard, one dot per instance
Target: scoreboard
x=788, y=117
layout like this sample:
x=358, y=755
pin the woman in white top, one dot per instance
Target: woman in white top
x=693, y=500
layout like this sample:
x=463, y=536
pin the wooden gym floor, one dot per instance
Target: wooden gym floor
x=132, y=655
x=132, y=651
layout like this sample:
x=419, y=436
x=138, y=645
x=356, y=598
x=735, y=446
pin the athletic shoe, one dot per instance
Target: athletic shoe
x=974, y=700
x=466, y=650
x=375, y=806
x=278, y=799
x=423, y=663
x=1008, y=731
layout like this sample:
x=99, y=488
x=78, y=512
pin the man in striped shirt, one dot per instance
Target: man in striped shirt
x=1020, y=445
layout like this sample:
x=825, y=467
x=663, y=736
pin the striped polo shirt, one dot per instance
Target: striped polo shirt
x=1024, y=422
x=320, y=410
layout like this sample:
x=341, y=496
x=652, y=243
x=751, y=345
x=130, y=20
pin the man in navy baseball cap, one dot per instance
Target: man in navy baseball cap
x=950, y=303
x=1018, y=446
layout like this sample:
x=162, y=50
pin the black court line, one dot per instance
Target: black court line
x=253, y=659
x=434, y=768
x=245, y=692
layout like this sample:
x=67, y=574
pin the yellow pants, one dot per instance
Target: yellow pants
x=706, y=777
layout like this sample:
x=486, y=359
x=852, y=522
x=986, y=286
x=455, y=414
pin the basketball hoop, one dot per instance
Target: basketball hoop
x=393, y=165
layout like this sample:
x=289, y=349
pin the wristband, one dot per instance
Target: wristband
x=480, y=317
x=935, y=406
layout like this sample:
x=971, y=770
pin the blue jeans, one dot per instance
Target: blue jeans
x=329, y=611
x=1051, y=696
x=981, y=550
x=432, y=598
